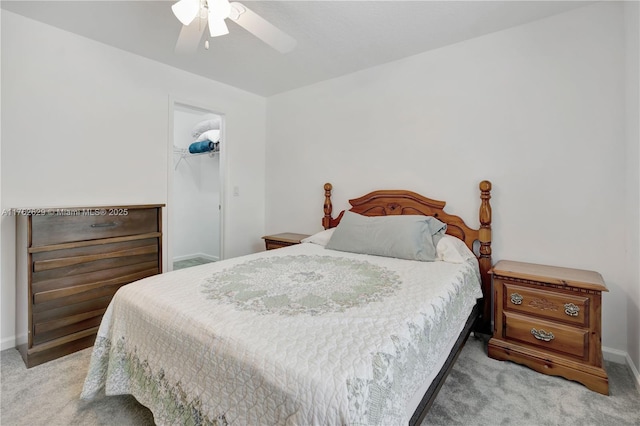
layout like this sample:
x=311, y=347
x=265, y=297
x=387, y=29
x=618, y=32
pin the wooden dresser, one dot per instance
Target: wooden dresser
x=282, y=240
x=549, y=319
x=70, y=262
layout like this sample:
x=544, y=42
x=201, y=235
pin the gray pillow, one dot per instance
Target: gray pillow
x=412, y=237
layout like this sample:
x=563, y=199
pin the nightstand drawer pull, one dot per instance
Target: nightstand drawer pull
x=542, y=335
x=571, y=309
x=516, y=299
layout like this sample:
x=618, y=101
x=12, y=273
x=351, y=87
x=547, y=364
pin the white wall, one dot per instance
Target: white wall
x=195, y=223
x=537, y=109
x=632, y=78
x=87, y=124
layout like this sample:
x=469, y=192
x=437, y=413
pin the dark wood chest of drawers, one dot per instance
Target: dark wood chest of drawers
x=549, y=319
x=70, y=263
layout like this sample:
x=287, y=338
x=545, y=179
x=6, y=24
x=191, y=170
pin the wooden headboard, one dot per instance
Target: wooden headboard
x=398, y=202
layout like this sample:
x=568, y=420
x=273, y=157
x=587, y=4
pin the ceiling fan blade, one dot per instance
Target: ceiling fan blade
x=261, y=28
x=190, y=36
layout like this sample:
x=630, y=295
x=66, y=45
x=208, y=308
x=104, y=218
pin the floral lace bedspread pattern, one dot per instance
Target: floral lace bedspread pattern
x=261, y=339
x=300, y=284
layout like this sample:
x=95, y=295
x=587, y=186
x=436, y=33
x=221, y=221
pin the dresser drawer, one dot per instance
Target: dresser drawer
x=66, y=263
x=547, y=335
x=92, y=224
x=549, y=304
x=45, y=332
x=69, y=285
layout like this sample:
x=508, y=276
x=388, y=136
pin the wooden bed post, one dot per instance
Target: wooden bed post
x=484, y=324
x=328, y=207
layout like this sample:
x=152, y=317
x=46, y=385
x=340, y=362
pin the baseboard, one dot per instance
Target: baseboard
x=621, y=357
x=193, y=256
x=615, y=355
x=8, y=343
x=209, y=257
x=634, y=370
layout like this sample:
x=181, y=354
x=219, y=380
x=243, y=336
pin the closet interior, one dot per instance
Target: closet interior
x=195, y=223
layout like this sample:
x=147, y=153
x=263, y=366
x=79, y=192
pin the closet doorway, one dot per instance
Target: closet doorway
x=195, y=187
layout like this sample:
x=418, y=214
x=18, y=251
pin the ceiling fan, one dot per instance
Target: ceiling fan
x=213, y=13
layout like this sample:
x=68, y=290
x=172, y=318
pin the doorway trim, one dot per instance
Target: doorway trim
x=173, y=102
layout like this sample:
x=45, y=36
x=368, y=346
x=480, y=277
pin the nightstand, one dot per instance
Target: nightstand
x=549, y=319
x=282, y=240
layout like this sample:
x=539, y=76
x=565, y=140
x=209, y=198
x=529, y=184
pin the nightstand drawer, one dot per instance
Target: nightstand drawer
x=270, y=245
x=553, y=305
x=282, y=240
x=547, y=335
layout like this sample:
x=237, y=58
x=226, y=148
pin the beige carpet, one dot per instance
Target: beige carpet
x=479, y=391
x=483, y=391
x=48, y=394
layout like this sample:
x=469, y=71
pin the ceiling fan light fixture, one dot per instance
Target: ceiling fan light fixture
x=186, y=10
x=217, y=27
x=221, y=9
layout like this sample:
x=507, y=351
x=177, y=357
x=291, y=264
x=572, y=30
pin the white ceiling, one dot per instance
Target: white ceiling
x=334, y=37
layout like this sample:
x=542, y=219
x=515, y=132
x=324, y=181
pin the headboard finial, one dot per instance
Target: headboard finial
x=328, y=207
x=485, y=211
x=484, y=236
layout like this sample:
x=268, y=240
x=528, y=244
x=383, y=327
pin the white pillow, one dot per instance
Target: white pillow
x=212, y=135
x=453, y=250
x=203, y=126
x=321, y=238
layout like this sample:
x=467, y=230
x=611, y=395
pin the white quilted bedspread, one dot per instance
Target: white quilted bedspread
x=300, y=335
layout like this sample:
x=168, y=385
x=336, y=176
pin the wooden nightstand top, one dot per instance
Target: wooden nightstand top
x=286, y=237
x=588, y=280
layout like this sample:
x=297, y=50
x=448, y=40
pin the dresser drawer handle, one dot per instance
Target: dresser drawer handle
x=516, y=299
x=104, y=225
x=571, y=309
x=542, y=335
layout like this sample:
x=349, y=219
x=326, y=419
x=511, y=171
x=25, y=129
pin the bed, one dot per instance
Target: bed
x=304, y=334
